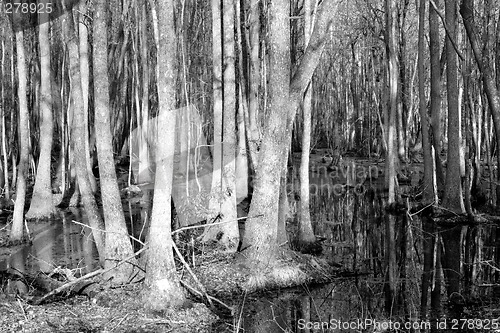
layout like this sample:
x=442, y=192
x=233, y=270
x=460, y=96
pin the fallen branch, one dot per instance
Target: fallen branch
x=67, y=285
x=195, y=278
x=85, y=277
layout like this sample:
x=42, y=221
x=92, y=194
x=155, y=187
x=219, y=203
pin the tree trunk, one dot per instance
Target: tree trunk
x=144, y=174
x=436, y=93
x=16, y=233
x=261, y=226
x=78, y=136
x=161, y=286
x=483, y=63
x=215, y=204
x=84, y=72
x=391, y=284
x=41, y=205
x=428, y=165
x=253, y=130
x=306, y=233
x=118, y=246
x=230, y=237
x=262, y=231
x=453, y=199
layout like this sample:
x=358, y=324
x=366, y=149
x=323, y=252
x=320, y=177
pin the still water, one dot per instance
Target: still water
x=347, y=208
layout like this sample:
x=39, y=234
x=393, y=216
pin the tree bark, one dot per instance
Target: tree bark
x=391, y=284
x=306, y=233
x=262, y=232
x=253, y=130
x=435, y=104
x=215, y=204
x=483, y=63
x=84, y=71
x=161, y=286
x=78, y=135
x=261, y=226
x=118, y=246
x=429, y=195
x=453, y=199
x=230, y=237
x=16, y=233
x=41, y=205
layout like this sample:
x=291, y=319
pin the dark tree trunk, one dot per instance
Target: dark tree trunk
x=429, y=194
x=435, y=50
x=483, y=62
x=453, y=199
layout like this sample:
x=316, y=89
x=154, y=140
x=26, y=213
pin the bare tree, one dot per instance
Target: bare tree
x=230, y=237
x=390, y=40
x=16, y=232
x=41, y=205
x=118, y=246
x=83, y=48
x=224, y=179
x=453, y=199
x=78, y=135
x=483, y=59
x=285, y=97
x=161, y=286
x=429, y=193
x=306, y=233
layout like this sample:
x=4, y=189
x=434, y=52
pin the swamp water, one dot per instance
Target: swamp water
x=348, y=213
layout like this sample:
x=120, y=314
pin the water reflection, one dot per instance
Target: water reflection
x=322, y=309
x=353, y=221
x=60, y=243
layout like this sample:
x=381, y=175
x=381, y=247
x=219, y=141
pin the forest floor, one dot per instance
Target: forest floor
x=118, y=310
x=217, y=278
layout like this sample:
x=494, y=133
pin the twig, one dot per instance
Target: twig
x=446, y=209
x=119, y=323
x=447, y=30
x=102, y=230
x=27, y=229
x=202, y=287
x=421, y=210
x=144, y=224
x=211, y=224
x=240, y=317
x=194, y=291
x=22, y=309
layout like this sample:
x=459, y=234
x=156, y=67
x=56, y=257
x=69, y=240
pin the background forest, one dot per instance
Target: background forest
x=292, y=140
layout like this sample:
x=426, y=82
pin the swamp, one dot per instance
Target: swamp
x=250, y=166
